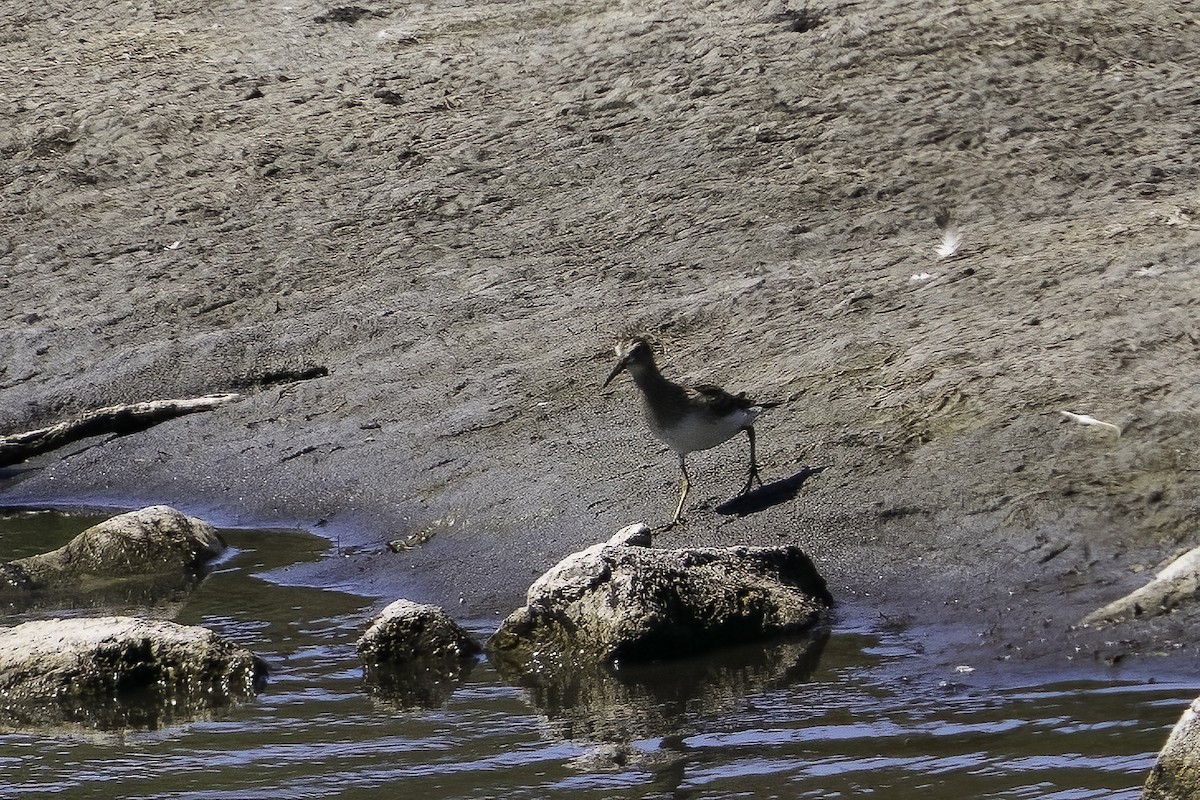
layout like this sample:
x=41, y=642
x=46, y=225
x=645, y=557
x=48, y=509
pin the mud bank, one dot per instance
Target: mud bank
x=442, y=216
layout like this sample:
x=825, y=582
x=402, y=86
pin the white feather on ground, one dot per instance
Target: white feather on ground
x=951, y=242
x=1085, y=419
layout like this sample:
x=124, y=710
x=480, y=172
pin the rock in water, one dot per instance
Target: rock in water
x=407, y=631
x=415, y=655
x=152, y=541
x=138, y=560
x=118, y=672
x=1176, y=772
x=621, y=601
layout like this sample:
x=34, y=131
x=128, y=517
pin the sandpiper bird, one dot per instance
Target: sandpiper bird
x=688, y=418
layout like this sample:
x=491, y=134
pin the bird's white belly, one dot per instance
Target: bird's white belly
x=700, y=432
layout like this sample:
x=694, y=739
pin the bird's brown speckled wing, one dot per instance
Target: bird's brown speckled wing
x=719, y=401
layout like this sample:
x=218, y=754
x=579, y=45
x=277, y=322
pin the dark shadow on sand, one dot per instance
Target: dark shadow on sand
x=767, y=495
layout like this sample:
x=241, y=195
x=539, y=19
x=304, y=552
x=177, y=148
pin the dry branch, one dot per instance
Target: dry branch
x=119, y=420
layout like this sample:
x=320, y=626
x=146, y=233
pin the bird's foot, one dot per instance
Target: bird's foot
x=750, y=481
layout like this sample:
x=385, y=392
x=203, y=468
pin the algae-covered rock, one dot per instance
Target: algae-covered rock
x=151, y=541
x=415, y=655
x=116, y=672
x=406, y=631
x=138, y=559
x=1176, y=773
x=625, y=601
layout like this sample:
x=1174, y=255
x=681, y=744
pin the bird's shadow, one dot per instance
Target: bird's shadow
x=767, y=495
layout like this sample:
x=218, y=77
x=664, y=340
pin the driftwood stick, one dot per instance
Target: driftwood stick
x=118, y=420
x=1177, y=583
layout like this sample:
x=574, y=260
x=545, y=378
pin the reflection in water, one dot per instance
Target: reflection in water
x=152, y=596
x=623, y=703
x=149, y=701
x=423, y=683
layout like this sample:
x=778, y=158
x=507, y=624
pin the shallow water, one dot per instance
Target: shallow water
x=860, y=716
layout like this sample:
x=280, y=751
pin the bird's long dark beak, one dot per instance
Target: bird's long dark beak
x=616, y=371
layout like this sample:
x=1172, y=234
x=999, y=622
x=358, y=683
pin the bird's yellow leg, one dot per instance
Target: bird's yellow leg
x=683, y=492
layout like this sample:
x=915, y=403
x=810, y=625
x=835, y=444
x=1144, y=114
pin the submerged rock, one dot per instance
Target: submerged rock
x=415, y=654
x=140, y=555
x=1176, y=773
x=151, y=541
x=624, y=601
x=118, y=672
x=13, y=577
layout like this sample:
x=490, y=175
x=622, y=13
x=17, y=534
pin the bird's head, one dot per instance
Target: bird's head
x=630, y=352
